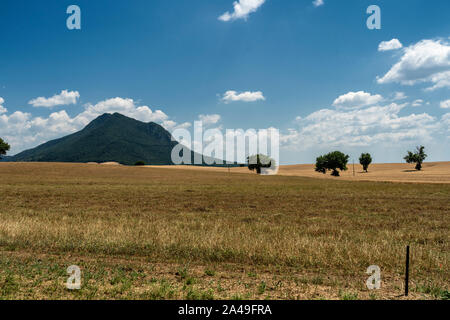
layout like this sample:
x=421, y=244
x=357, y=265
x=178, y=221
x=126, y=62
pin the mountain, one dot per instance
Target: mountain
x=110, y=137
x=5, y=159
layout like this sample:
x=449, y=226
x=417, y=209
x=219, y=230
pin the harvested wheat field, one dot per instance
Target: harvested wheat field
x=158, y=233
x=433, y=172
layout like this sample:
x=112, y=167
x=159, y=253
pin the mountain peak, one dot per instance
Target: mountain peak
x=109, y=137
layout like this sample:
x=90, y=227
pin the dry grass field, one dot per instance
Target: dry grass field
x=158, y=233
x=433, y=172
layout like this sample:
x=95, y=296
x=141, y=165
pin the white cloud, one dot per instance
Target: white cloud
x=357, y=100
x=318, y=3
x=2, y=108
x=399, y=96
x=64, y=98
x=126, y=107
x=373, y=127
x=242, y=9
x=248, y=96
x=417, y=103
x=361, y=128
x=445, y=120
x=209, y=119
x=426, y=61
x=171, y=125
x=440, y=80
x=24, y=131
x=445, y=104
x=393, y=44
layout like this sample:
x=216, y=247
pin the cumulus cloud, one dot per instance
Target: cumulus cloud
x=446, y=123
x=446, y=120
x=171, y=125
x=376, y=128
x=126, y=107
x=393, y=44
x=64, y=98
x=361, y=128
x=445, y=104
x=318, y=3
x=357, y=100
x=400, y=96
x=209, y=119
x=417, y=103
x=248, y=96
x=2, y=108
x=24, y=131
x=242, y=10
x=440, y=80
x=427, y=61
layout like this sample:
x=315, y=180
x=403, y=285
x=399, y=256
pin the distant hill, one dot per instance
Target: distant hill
x=110, y=137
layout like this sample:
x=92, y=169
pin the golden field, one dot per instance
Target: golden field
x=181, y=233
x=433, y=172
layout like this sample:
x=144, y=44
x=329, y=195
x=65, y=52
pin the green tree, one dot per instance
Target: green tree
x=321, y=165
x=332, y=161
x=365, y=160
x=4, y=147
x=417, y=157
x=259, y=161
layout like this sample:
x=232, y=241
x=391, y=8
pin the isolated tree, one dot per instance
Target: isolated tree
x=4, y=147
x=417, y=157
x=321, y=165
x=365, y=160
x=332, y=161
x=259, y=161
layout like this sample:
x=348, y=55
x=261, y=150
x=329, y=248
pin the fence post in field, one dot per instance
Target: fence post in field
x=407, y=272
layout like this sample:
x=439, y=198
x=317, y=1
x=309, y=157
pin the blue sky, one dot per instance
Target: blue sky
x=314, y=72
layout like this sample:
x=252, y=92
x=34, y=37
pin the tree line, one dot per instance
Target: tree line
x=336, y=161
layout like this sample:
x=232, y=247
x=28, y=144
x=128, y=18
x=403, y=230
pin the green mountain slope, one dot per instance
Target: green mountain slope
x=110, y=137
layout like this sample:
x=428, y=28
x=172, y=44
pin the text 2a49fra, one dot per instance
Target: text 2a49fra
x=256, y=309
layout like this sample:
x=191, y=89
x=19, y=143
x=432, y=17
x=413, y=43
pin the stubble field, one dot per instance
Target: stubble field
x=159, y=233
x=433, y=172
